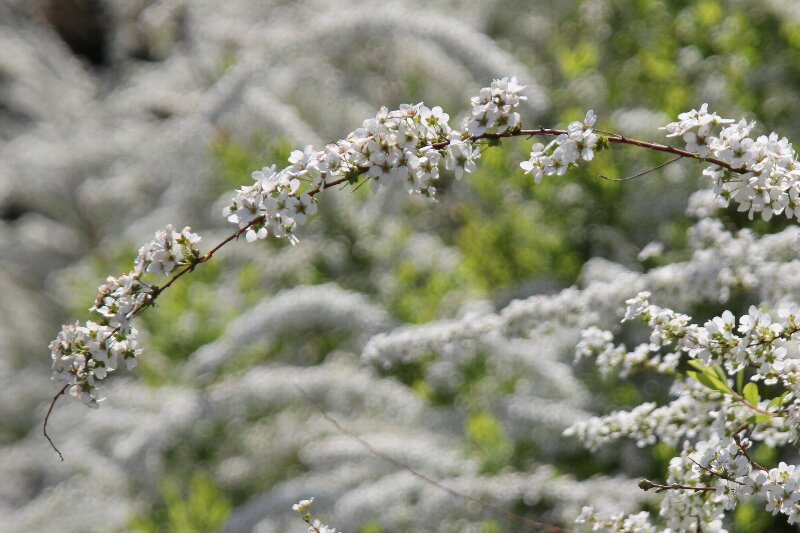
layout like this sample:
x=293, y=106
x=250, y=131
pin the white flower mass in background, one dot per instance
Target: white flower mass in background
x=103, y=150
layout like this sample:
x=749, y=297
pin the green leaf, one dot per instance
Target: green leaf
x=750, y=392
x=695, y=363
x=720, y=372
x=711, y=381
x=778, y=400
x=757, y=418
x=739, y=381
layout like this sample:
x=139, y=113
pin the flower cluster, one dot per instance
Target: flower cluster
x=760, y=174
x=597, y=343
x=84, y=354
x=619, y=522
x=717, y=400
x=579, y=142
x=404, y=145
x=166, y=251
x=758, y=342
x=494, y=108
x=715, y=476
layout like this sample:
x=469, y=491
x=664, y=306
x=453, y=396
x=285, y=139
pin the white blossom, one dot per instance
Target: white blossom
x=579, y=142
x=763, y=172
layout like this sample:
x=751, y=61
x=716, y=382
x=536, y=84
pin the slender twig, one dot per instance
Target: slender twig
x=646, y=485
x=621, y=139
x=611, y=137
x=427, y=479
x=739, y=444
x=715, y=474
x=640, y=174
x=47, y=417
x=749, y=405
x=311, y=526
x=359, y=185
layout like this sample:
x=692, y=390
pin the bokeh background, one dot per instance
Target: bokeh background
x=120, y=116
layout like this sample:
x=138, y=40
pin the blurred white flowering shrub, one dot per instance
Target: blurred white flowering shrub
x=445, y=334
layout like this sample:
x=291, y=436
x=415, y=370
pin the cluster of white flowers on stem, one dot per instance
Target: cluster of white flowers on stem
x=760, y=174
x=638, y=523
x=578, y=142
x=718, y=414
x=403, y=145
x=494, y=108
x=314, y=526
x=84, y=354
x=407, y=144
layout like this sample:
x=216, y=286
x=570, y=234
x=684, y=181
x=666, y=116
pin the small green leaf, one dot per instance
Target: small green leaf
x=711, y=381
x=698, y=365
x=720, y=372
x=757, y=418
x=778, y=400
x=739, y=381
x=715, y=371
x=750, y=392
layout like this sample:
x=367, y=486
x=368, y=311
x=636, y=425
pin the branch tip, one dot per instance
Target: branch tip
x=47, y=418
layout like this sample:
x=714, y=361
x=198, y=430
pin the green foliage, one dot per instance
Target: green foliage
x=301, y=347
x=200, y=507
x=236, y=159
x=373, y=526
x=749, y=518
x=751, y=393
x=486, y=439
x=713, y=377
x=505, y=243
x=575, y=59
x=186, y=317
x=418, y=292
x=490, y=526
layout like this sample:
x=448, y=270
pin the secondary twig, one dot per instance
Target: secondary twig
x=715, y=474
x=640, y=174
x=646, y=485
x=739, y=444
x=47, y=417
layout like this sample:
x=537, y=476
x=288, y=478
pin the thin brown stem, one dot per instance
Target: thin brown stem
x=427, y=479
x=615, y=138
x=743, y=450
x=311, y=525
x=47, y=418
x=646, y=485
x=640, y=174
x=749, y=405
x=715, y=474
